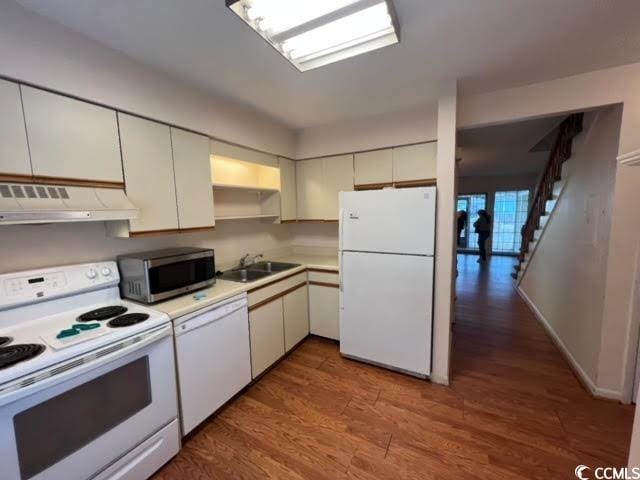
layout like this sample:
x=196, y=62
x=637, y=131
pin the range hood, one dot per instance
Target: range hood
x=35, y=203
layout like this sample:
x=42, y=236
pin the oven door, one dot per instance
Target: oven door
x=77, y=419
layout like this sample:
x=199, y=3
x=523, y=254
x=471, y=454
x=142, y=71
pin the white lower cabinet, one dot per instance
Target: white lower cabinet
x=324, y=315
x=296, y=316
x=267, y=335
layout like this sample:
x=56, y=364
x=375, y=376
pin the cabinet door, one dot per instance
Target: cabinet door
x=14, y=152
x=324, y=315
x=148, y=171
x=337, y=177
x=310, y=189
x=296, y=316
x=192, y=167
x=373, y=167
x=71, y=139
x=288, y=202
x=267, y=336
x=416, y=162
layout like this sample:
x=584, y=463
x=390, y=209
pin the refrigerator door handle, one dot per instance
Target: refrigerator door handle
x=340, y=283
x=340, y=226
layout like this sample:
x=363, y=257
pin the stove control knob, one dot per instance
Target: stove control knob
x=91, y=273
x=106, y=271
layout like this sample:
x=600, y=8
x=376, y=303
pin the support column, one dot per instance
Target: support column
x=445, y=236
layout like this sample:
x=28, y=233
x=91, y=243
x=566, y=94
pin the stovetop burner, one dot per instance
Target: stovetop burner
x=17, y=353
x=102, y=313
x=5, y=341
x=128, y=320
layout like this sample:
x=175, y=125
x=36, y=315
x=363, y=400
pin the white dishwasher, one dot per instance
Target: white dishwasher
x=213, y=358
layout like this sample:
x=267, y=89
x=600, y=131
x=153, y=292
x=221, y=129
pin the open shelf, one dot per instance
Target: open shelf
x=244, y=187
x=244, y=217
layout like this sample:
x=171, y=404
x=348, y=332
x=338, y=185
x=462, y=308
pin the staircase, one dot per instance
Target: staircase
x=547, y=191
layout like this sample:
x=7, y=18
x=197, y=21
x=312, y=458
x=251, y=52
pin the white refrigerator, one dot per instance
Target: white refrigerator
x=386, y=277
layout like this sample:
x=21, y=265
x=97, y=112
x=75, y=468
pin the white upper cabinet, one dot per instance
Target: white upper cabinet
x=71, y=139
x=319, y=180
x=193, y=179
x=14, y=152
x=415, y=162
x=148, y=170
x=288, y=194
x=310, y=188
x=337, y=173
x=374, y=167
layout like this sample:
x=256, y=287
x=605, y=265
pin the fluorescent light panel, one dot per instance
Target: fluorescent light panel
x=313, y=33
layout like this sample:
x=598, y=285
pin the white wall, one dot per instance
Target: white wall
x=620, y=85
x=314, y=234
x=494, y=183
x=567, y=275
x=377, y=131
x=37, y=50
x=35, y=246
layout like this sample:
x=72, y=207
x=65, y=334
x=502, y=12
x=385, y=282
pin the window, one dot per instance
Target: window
x=470, y=203
x=509, y=214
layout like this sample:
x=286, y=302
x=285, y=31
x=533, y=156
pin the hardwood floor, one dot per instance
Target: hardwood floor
x=514, y=409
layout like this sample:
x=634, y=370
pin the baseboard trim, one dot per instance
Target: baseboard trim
x=578, y=371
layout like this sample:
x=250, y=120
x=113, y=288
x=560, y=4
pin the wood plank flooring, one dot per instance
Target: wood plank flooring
x=514, y=409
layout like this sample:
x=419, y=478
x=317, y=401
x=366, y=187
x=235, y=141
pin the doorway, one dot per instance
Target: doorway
x=470, y=203
x=510, y=209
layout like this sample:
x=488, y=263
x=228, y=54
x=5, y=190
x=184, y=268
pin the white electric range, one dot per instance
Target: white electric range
x=87, y=380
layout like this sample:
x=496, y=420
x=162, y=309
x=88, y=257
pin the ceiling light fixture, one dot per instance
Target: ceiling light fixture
x=313, y=33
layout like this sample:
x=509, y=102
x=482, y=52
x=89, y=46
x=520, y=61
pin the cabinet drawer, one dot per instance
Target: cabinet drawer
x=262, y=293
x=323, y=277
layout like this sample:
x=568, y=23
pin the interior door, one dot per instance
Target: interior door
x=389, y=221
x=386, y=309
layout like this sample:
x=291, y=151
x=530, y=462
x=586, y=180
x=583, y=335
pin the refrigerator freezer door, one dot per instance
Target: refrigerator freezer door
x=389, y=221
x=386, y=310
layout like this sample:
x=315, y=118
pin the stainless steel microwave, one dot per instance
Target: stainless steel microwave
x=161, y=274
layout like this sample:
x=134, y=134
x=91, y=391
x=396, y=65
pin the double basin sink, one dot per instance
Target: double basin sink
x=256, y=271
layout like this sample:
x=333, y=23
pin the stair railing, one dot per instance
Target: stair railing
x=560, y=153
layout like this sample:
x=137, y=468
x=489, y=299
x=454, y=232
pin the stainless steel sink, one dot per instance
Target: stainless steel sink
x=256, y=271
x=273, y=267
x=244, y=275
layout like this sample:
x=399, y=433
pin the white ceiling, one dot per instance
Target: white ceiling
x=487, y=44
x=504, y=149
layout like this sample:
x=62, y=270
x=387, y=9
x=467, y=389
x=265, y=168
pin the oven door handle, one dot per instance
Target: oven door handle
x=61, y=372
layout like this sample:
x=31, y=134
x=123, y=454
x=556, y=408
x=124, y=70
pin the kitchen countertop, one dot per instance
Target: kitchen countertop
x=223, y=289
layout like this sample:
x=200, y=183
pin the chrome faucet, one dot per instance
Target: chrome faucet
x=244, y=261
